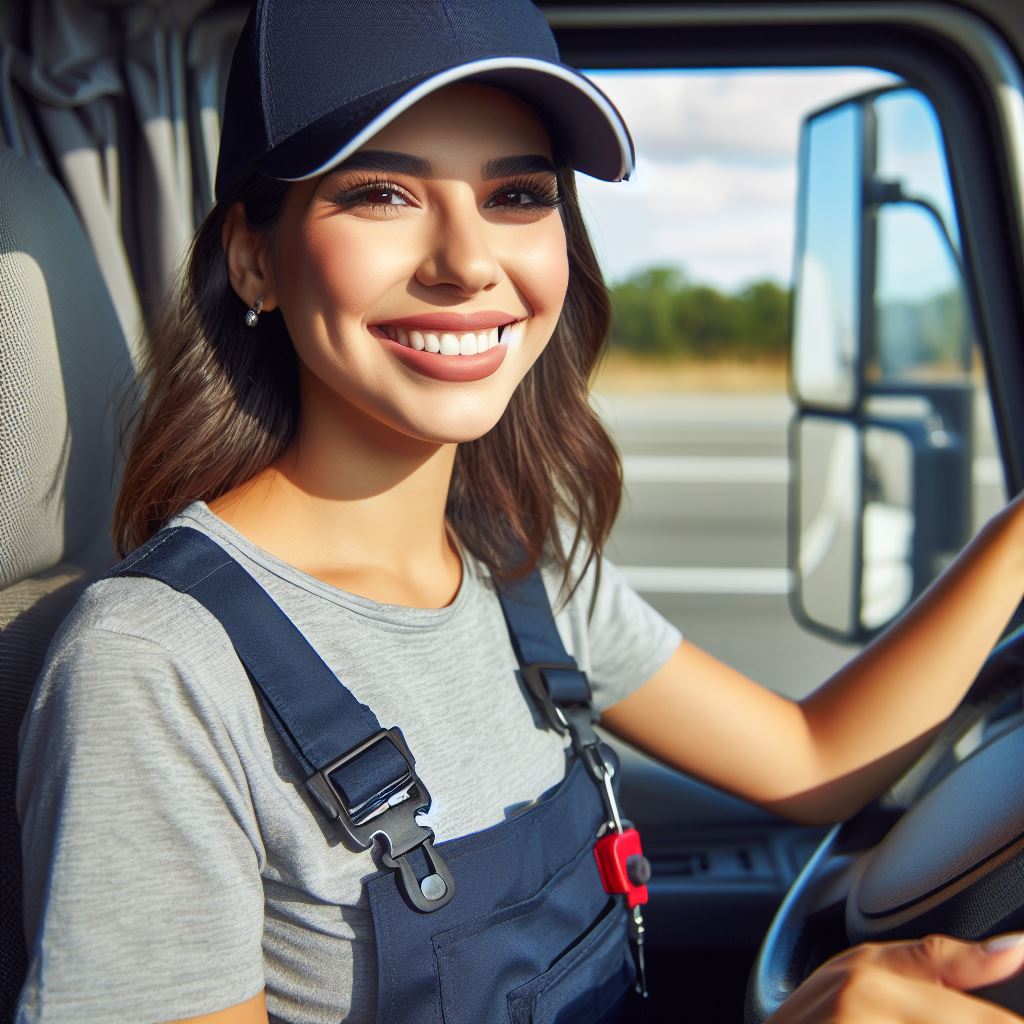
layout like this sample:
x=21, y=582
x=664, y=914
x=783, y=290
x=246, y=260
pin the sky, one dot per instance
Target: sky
x=714, y=189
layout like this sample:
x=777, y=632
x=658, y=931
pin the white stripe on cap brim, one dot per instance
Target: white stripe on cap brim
x=449, y=75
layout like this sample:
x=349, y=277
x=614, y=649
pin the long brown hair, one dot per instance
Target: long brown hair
x=218, y=409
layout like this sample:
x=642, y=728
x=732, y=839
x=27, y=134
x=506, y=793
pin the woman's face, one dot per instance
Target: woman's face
x=376, y=267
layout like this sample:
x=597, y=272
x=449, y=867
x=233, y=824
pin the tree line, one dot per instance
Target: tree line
x=659, y=311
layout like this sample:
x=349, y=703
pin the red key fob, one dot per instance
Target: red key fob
x=622, y=865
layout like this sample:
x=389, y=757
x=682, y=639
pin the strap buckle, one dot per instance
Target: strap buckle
x=388, y=813
x=534, y=677
x=575, y=717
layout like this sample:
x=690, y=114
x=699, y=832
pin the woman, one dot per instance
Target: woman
x=316, y=408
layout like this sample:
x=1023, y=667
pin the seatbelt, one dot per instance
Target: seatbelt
x=362, y=775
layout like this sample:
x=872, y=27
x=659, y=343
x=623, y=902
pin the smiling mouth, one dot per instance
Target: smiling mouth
x=450, y=343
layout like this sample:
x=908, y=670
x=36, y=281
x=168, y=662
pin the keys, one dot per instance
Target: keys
x=622, y=866
x=624, y=870
x=637, y=936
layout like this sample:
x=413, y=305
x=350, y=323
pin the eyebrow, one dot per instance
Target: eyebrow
x=406, y=163
x=503, y=166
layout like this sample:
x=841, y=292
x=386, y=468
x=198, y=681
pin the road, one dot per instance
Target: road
x=702, y=532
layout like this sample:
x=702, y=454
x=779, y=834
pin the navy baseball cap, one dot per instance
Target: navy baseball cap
x=312, y=80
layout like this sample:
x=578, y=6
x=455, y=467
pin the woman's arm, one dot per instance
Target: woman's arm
x=252, y=1011
x=823, y=758
x=136, y=819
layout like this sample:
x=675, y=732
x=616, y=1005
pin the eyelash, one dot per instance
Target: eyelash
x=545, y=196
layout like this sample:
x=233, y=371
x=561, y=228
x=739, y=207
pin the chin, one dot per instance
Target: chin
x=454, y=424
x=461, y=431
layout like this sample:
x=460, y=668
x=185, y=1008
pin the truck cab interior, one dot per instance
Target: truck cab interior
x=109, y=124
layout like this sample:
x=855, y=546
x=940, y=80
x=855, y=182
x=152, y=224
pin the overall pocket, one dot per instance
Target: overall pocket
x=533, y=946
x=588, y=985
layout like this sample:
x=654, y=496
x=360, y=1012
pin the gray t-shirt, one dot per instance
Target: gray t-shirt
x=174, y=862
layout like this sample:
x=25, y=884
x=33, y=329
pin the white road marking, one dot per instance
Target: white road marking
x=659, y=579
x=988, y=470
x=713, y=469
x=663, y=579
x=704, y=469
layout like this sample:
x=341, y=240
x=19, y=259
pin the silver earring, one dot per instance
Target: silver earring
x=253, y=315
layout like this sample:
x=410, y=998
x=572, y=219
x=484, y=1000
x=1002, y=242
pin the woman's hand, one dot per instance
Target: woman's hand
x=921, y=982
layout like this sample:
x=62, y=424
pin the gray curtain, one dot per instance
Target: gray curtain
x=109, y=125
x=120, y=102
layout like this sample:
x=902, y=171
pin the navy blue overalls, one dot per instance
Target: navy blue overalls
x=510, y=924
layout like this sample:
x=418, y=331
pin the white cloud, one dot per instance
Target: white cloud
x=707, y=185
x=725, y=248
x=715, y=184
x=740, y=115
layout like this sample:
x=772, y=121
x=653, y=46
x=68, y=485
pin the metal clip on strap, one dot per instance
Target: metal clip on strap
x=348, y=792
x=562, y=692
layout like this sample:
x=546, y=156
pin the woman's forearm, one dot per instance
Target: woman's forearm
x=870, y=720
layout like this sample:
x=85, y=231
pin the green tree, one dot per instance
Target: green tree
x=659, y=311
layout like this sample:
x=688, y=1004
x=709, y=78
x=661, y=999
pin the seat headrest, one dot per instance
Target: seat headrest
x=64, y=363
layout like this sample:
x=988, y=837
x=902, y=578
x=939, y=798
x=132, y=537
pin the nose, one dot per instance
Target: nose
x=459, y=250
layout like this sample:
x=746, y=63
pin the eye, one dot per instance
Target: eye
x=376, y=195
x=389, y=197
x=526, y=194
x=516, y=197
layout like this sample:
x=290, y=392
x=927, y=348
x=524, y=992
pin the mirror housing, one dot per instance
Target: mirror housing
x=881, y=342
x=873, y=526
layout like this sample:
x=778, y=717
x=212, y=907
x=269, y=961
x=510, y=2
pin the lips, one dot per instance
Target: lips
x=441, y=354
x=449, y=368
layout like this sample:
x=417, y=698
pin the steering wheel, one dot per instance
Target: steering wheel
x=941, y=851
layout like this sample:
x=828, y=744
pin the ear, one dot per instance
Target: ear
x=248, y=262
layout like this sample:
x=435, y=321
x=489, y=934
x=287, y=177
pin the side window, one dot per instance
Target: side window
x=700, y=252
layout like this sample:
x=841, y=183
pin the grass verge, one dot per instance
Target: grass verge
x=623, y=373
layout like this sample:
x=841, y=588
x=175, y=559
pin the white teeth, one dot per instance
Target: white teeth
x=513, y=334
x=451, y=344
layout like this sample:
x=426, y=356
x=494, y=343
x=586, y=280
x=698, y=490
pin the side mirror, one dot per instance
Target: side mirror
x=869, y=533
x=826, y=322
x=881, y=343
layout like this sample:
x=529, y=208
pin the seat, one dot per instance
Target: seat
x=64, y=360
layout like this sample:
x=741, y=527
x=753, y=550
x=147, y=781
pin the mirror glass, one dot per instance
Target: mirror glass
x=910, y=151
x=887, y=583
x=827, y=530
x=922, y=330
x=827, y=271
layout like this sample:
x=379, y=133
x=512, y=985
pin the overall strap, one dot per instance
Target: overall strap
x=551, y=675
x=362, y=775
x=563, y=692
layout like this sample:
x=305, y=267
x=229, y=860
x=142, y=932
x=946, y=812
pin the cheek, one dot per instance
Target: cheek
x=544, y=271
x=340, y=271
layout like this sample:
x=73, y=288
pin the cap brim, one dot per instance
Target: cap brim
x=591, y=132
